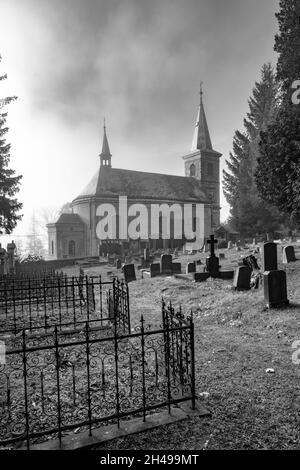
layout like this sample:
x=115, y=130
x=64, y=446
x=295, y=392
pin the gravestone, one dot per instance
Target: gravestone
x=176, y=268
x=212, y=261
x=11, y=257
x=270, y=256
x=166, y=264
x=129, y=272
x=201, y=277
x=146, y=254
x=191, y=267
x=229, y=246
x=242, y=278
x=154, y=269
x=275, y=290
x=288, y=254
x=118, y=263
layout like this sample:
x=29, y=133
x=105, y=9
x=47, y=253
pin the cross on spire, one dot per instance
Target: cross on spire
x=201, y=92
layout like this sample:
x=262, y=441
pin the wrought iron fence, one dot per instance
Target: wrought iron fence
x=40, y=304
x=64, y=384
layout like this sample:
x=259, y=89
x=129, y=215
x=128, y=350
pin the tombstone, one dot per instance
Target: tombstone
x=270, y=256
x=229, y=246
x=242, y=278
x=191, y=267
x=226, y=274
x=176, y=268
x=118, y=263
x=251, y=262
x=129, y=272
x=212, y=261
x=154, y=269
x=146, y=254
x=254, y=241
x=275, y=290
x=5, y=264
x=166, y=264
x=201, y=277
x=288, y=254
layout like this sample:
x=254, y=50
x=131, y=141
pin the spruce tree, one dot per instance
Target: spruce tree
x=278, y=172
x=9, y=183
x=249, y=215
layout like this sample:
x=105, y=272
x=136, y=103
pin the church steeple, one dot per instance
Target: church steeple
x=105, y=155
x=201, y=139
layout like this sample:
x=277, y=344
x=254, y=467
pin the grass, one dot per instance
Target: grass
x=236, y=340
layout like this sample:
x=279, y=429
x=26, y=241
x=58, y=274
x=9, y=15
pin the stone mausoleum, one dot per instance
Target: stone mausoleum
x=74, y=235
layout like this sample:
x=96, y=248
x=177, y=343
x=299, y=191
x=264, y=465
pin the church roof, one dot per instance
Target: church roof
x=201, y=139
x=112, y=182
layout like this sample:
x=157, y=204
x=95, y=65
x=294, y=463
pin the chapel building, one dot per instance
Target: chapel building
x=75, y=234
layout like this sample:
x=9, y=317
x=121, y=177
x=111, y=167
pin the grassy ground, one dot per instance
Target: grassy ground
x=236, y=341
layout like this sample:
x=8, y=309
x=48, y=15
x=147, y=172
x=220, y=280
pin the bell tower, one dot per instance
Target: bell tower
x=203, y=163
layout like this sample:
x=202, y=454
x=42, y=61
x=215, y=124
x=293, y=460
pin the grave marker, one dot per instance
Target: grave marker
x=275, y=290
x=154, y=269
x=242, y=278
x=212, y=261
x=129, y=272
x=270, y=256
x=191, y=267
x=166, y=264
x=288, y=254
x=176, y=268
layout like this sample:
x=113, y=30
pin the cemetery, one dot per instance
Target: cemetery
x=98, y=347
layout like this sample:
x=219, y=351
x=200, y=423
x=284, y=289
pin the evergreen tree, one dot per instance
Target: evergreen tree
x=9, y=183
x=249, y=215
x=278, y=173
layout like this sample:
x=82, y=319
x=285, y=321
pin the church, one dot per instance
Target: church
x=75, y=235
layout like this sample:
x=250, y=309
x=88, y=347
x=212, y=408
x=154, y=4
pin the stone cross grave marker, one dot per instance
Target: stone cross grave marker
x=212, y=261
x=154, y=269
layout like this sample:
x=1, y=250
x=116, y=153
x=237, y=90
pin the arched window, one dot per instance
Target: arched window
x=192, y=170
x=71, y=248
x=52, y=247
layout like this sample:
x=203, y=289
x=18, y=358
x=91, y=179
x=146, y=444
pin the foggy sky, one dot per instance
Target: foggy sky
x=136, y=62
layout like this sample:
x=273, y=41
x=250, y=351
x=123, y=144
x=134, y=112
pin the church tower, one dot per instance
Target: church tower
x=203, y=163
x=105, y=155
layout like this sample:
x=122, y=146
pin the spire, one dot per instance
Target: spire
x=105, y=155
x=201, y=140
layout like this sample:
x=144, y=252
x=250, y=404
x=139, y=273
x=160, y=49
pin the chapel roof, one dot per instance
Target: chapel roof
x=114, y=182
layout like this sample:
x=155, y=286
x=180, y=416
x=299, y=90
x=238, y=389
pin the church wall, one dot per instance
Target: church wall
x=64, y=236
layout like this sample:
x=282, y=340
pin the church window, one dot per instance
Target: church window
x=71, y=248
x=192, y=170
x=52, y=247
